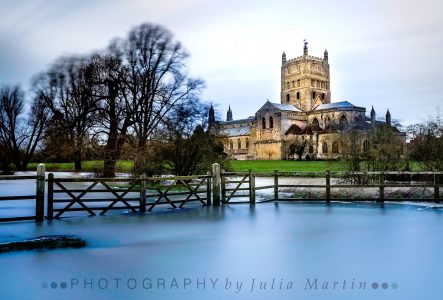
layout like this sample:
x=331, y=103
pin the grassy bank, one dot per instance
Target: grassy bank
x=287, y=165
x=125, y=166
x=237, y=165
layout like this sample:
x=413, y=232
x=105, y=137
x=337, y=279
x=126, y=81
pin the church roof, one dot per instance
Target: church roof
x=337, y=105
x=279, y=106
x=236, y=131
x=286, y=107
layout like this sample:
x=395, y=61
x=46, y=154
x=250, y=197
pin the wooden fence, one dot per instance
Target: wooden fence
x=77, y=196
x=243, y=185
x=100, y=195
x=38, y=197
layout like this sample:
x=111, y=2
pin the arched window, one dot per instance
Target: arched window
x=288, y=97
x=334, y=147
x=311, y=149
x=324, y=147
x=318, y=84
x=263, y=123
x=312, y=82
x=231, y=144
x=313, y=95
x=239, y=144
x=323, y=96
x=298, y=83
x=247, y=143
x=298, y=95
x=343, y=122
x=315, y=123
x=328, y=121
x=365, y=145
x=287, y=85
x=271, y=122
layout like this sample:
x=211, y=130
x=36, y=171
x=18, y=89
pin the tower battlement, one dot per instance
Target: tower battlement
x=305, y=80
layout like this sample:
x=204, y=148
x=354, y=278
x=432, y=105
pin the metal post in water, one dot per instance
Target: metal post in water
x=142, y=194
x=216, y=178
x=50, y=207
x=251, y=187
x=276, y=185
x=40, y=193
x=328, y=186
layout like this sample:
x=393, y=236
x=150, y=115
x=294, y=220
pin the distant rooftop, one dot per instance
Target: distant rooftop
x=341, y=104
x=236, y=131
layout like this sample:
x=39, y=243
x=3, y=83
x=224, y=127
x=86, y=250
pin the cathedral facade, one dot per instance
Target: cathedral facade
x=305, y=124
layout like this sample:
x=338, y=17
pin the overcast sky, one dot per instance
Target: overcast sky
x=386, y=53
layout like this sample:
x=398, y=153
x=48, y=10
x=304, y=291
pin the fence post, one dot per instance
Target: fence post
x=142, y=194
x=328, y=186
x=382, y=188
x=223, y=186
x=251, y=187
x=50, y=207
x=40, y=193
x=216, y=184
x=208, y=188
x=275, y=185
x=436, y=189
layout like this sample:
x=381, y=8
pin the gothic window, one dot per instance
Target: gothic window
x=327, y=121
x=298, y=83
x=365, y=145
x=334, y=147
x=343, y=122
x=231, y=144
x=247, y=143
x=263, y=123
x=271, y=122
x=323, y=96
x=324, y=147
x=318, y=84
x=311, y=149
x=288, y=97
x=238, y=144
x=298, y=95
x=315, y=123
x=313, y=95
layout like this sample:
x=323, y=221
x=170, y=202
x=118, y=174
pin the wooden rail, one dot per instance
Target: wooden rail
x=233, y=185
x=38, y=197
x=137, y=195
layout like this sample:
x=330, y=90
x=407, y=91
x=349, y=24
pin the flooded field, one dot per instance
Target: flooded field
x=267, y=251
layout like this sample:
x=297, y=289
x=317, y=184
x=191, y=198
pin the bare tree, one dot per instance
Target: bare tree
x=66, y=90
x=20, y=133
x=157, y=79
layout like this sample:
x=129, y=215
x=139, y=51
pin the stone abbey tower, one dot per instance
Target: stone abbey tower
x=305, y=81
x=305, y=124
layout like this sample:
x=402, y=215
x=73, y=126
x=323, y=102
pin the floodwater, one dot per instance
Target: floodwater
x=266, y=251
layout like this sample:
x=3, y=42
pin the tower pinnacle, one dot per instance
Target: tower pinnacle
x=305, y=48
x=229, y=114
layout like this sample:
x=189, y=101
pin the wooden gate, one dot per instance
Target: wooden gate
x=237, y=185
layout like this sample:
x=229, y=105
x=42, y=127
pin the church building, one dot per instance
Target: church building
x=304, y=124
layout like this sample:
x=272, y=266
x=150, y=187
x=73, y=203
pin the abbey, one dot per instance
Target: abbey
x=305, y=124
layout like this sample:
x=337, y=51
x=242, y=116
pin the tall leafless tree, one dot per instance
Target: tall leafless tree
x=66, y=90
x=20, y=133
x=156, y=80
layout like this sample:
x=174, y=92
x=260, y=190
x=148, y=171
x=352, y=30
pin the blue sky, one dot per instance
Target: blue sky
x=382, y=53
